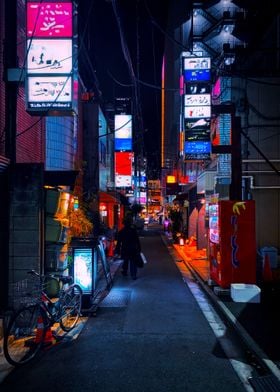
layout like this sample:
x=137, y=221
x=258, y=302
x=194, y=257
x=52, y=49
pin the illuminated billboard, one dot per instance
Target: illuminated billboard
x=49, y=19
x=123, y=169
x=46, y=92
x=83, y=262
x=197, y=99
x=197, y=111
x=202, y=75
x=197, y=150
x=123, y=132
x=197, y=63
x=49, y=53
x=198, y=88
x=49, y=56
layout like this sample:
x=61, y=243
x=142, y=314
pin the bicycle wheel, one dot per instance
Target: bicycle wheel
x=71, y=304
x=24, y=335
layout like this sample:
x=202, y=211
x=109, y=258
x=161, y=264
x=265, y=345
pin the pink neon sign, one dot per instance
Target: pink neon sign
x=50, y=20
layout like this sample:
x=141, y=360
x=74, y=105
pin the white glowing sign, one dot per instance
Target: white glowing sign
x=50, y=91
x=197, y=63
x=46, y=56
x=83, y=269
x=197, y=100
x=123, y=181
x=197, y=111
x=123, y=125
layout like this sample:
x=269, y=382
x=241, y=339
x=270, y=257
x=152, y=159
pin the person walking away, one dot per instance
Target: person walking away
x=128, y=246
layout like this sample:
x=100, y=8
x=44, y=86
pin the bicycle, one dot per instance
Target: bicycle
x=57, y=300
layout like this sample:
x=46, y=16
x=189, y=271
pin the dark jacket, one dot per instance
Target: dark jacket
x=128, y=243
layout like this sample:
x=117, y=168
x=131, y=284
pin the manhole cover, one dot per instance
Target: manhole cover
x=116, y=299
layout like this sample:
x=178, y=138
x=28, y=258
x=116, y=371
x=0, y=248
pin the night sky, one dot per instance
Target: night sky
x=105, y=61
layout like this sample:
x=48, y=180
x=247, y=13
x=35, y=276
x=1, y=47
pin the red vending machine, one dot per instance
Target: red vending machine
x=232, y=242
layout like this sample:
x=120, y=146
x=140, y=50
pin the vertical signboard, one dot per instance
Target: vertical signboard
x=123, y=132
x=197, y=108
x=49, y=56
x=123, y=169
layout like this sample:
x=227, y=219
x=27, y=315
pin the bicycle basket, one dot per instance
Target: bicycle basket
x=26, y=292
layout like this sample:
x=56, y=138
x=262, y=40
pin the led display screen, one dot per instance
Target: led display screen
x=49, y=92
x=197, y=63
x=197, y=75
x=197, y=99
x=46, y=56
x=46, y=19
x=197, y=111
x=83, y=269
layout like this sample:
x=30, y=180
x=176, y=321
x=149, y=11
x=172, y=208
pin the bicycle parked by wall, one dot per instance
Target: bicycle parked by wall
x=49, y=300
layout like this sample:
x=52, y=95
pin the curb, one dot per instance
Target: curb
x=247, y=339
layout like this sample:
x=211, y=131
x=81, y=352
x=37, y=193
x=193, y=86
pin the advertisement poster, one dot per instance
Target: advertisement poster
x=83, y=269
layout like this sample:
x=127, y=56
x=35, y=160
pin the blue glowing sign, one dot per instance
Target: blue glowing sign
x=83, y=269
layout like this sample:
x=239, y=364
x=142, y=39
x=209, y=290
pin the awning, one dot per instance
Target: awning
x=105, y=197
x=113, y=197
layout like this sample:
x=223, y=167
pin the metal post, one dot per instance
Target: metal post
x=236, y=164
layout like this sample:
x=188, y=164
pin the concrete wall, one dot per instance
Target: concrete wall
x=26, y=221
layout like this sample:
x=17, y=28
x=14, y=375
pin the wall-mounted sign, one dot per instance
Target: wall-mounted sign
x=197, y=124
x=198, y=88
x=123, y=169
x=46, y=19
x=123, y=132
x=46, y=92
x=49, y=71
x=195, y=135
x=197, y=150
x=197, y=63
x=46, y=56
x=197, y=111
x=197, y=100
x=201, y=75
